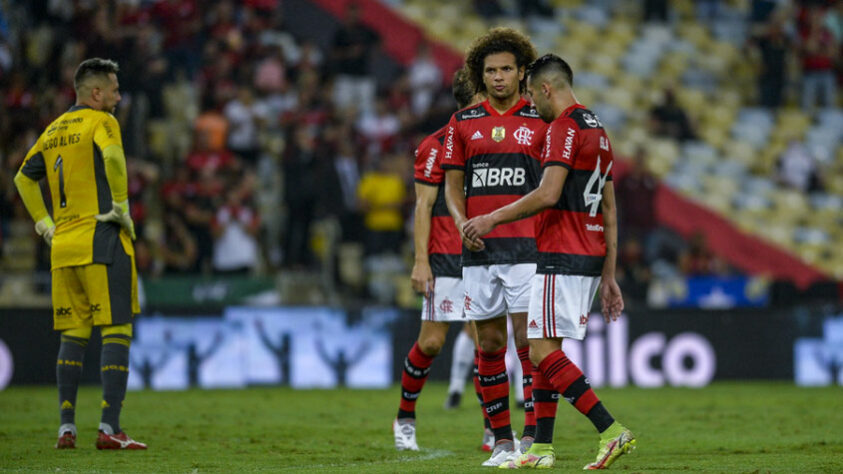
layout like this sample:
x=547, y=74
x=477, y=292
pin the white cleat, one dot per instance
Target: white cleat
x=503, y=452
x=405, y=434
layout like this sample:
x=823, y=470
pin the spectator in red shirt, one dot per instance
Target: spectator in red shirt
x=818, y=50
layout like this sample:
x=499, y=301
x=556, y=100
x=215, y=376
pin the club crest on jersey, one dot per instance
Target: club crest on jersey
x=498, y=134
x=591, y=120
x=524, y=135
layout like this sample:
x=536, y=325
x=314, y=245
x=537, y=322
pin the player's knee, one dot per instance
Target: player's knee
x=80, y=333
x=431, y=345
x=118, y=329
x=492, y=343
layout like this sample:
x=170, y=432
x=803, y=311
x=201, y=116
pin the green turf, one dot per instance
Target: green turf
x=747, y=427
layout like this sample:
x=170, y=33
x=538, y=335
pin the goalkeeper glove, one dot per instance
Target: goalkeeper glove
x=46, y=228
x=119, y=214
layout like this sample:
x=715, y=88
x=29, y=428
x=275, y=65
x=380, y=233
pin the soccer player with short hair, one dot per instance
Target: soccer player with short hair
x=577, y=237
x=94, y=279
x=491, y=159
x=436, y=272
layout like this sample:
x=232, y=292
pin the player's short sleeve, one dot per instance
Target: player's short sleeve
x=561, y=144
x=107, y=133
x=33, y=166
x=453, y=156
x=426, y=169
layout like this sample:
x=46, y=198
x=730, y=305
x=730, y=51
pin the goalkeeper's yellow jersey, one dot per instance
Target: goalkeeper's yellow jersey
x=69, y=154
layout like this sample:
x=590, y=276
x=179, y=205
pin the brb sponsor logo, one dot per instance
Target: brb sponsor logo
x=489, y=177
x=608, y=357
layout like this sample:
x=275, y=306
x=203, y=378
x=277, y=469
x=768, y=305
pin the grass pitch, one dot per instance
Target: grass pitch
x=736, y=427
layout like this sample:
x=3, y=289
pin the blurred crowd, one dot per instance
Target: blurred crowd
x=282, y=133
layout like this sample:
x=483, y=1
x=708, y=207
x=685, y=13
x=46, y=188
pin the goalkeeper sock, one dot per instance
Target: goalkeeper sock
x=115, y=375
x=68, y=371
x=569, y=380
x=416, y=369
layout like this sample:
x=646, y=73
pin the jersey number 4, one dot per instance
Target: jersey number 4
x=593, y=198
x=60, y=167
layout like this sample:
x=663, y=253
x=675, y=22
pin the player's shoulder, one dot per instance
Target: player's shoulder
x=584, y=118
x=439, y=135
x=434, y=140
x=53, y=127
x=472, y=112
x=526, y=110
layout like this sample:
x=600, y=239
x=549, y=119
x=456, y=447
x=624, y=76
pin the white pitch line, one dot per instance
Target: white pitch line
x=430, y=454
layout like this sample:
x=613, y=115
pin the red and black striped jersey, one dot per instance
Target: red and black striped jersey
x=444, y=245
x=569, y=235
x=499, y=154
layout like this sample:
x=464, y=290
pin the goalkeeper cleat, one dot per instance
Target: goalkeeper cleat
x=504, y=451
x=117, y=441
x=67, y=440
x=539, y=456
x=405, y=434
x=611, y=449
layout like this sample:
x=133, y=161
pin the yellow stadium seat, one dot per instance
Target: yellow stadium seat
x=620, y=97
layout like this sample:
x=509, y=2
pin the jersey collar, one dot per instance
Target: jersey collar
x=78, y=107
x=571, y=109
x=515, y=108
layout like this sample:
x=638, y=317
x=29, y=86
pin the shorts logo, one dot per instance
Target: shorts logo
x=467, y=303
x=583, y=320
x=498, y=134
x=60, y=312
x=446, y=306
x=533, y=324
x=524, y=136
x=96, y=308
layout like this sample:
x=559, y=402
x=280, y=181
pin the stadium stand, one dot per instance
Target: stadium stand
x=228, y=106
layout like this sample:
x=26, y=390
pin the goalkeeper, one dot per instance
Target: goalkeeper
x=94, y=281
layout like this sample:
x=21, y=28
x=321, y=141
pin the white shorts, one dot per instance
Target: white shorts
x=446, y=303
x=560, y=305
x=495, y=290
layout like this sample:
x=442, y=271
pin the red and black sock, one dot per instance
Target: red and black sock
x=416, y=369
x=527, y=386
x=478, y=390
x=494, y=384
x=545, y=400
x=569, y=380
